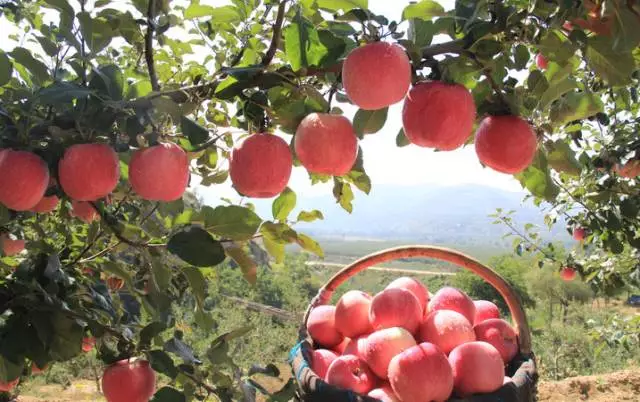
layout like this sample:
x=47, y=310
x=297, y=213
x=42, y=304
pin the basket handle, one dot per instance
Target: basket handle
x=439, y=253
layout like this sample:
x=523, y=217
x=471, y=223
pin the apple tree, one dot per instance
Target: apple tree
x=110, y=109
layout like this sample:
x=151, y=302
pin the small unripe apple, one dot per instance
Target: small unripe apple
x=10, y=246
x=160, y=172
x=506, y=144
x=260, y=166
x=376, y=75
x=438, y=115
x=129, y=380
x=326, y=144
x=24, y=177
x=88, y=172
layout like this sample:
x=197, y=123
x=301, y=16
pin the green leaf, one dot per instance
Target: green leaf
x=615, y=67
x=233, y=222
x=563, y=159
x=151, y=331
x=6, y=68
x=9, y=370
x=309, y=244
x=97, y=32
x=275, y=249
x=284, y=204
x=303, y=46
x=343, y=195
x=163, y=363
x=194, y=131
x=344, y=5
x=38, y=69
x=420, y=33
x=556, y=47
x=247, y=264
x=219, y=15
x=425, y=10
x=109, y=81
x=61, y=5
x=575, y=106
x=625, y=29
x=401, y=139
x=369, y=121
x=559, y=82
x=161, y=273
x=537, y=179
x=62, y=92
x=309, y=216
x=521, y=57
x=197, y=283
x=168, y=394
x=195, y=246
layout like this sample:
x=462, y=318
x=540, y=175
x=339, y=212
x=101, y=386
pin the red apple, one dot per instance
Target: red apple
x=24, y=178
x=321, y=359
x=446, y=329
x=414, y=286
x=501, y=335
x=88, y=172
x=326, y=144
x=9, y=386
x=342, y=346
x=321, y=326
x=384, y=393
x=376, y=75
x=10, y=246
x=84, y=211
x=129, y=380
x=114, y=283
x=421, y=373
x=568, y=274
x=630, y=170
x=383, y=345
x=579, y=234
x=160, y=172
x=260, y=166
x=541, y=61
x=352, y=314
x=46, y=205
x=438, y=115
x=506, y=144
x=88, y=342
x=395, y=308
x=349, y=372
x=357, y=346
x=449, y=298
x=477, y=368
x=485, y=310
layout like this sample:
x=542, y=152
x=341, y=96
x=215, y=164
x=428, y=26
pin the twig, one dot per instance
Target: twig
x=83, y=51
x=86, y=249
x=207, y=143
x=148, y=46
x=455, y=46
x=487, y=73
x=526, y=238
x=277, y=33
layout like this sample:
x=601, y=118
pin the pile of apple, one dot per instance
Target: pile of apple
x=407, y=345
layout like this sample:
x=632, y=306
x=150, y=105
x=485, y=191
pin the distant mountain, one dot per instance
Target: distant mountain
x=426, y=213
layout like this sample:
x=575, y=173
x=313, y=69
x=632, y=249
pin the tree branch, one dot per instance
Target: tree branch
x=148, y=46
x=277, y=33
x=454, y=46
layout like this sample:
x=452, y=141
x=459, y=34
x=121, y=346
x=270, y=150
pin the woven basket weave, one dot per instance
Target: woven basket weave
x=522, y=369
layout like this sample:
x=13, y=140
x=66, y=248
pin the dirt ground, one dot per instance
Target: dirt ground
x=613, y=387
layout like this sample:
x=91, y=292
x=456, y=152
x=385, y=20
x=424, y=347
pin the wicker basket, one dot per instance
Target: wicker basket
x=522, y=369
